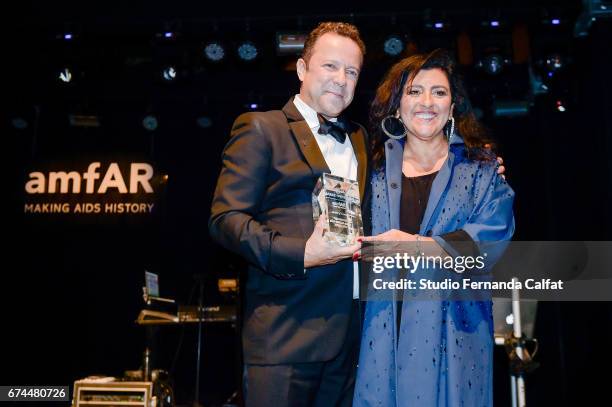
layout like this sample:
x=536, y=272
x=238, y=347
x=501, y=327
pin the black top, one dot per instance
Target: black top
x=415, y=194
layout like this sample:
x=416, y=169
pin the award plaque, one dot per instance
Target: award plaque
x=338, y=199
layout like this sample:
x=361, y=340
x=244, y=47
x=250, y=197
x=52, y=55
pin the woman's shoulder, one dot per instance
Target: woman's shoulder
x=477, y=158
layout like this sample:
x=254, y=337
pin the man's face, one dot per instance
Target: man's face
x=330, y=77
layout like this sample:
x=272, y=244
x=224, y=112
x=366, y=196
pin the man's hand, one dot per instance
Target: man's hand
x=501, y=169
x=319, y=252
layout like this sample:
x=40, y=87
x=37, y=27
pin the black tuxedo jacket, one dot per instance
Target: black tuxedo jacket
x=262, y=210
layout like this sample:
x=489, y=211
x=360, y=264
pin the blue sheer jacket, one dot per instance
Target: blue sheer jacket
x=444, y=353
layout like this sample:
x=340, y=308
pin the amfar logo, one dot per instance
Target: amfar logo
x=140, y=175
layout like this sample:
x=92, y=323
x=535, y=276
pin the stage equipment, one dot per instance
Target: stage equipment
x=513, y=330
x=107, y=392
x=290, y=43
x=151, y=318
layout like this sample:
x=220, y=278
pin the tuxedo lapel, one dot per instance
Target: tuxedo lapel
x=305, y=139
x=358, y=140
x=310, y=148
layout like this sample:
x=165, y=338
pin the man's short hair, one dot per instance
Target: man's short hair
x=344, y=29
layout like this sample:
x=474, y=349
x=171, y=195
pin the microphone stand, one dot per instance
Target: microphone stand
x=521, y=360
x=200, y=280
x=517, y=381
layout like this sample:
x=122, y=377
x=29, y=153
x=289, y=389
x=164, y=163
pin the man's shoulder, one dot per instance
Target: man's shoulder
x=259, y=119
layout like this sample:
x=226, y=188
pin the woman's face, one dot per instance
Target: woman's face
x=426, y=105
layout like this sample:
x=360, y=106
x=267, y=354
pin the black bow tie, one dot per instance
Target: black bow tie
x=337, y=129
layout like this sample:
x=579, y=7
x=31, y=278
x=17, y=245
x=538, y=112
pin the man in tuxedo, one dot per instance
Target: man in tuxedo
x=301, y=318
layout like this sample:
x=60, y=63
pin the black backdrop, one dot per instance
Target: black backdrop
x=71, y=287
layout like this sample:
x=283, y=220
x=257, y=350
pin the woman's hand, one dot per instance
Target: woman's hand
x=392, y=235
x=395, y=236
x=393, y=241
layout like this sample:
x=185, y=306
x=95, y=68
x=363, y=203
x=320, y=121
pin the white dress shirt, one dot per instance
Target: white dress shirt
x=340, y=158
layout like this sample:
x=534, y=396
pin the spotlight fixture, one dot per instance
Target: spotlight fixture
x=214, y=51
x=83, y=120
x=591, y=11
x=150, y=123
x=167, y=34
x=555, y=21
x=65, y=36
x=554, y=62
x=492, y=64
x=493, y=23
x=437, y=24
x=204, y=122
x=290, y=43
x=19, y=123
x=65, y=75
x=169, y=73
x=560, y=106
x=537, y=84
x=247, y=51
x=510, y=108
x=393, y=45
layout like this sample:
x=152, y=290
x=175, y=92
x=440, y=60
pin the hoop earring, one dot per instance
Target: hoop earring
x=397, y=123
x=452, y=128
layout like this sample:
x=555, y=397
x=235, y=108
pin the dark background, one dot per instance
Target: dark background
x=71, y=286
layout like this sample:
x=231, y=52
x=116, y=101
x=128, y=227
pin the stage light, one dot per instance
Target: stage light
x=168, y=34
x=19, y=123
x=247, y=51
x=554, y=62
x=555, y=21
x=204, y=122
x=83, y=120
x=590, y=12
x=536, y=83
x=492, y=64
x=560, y=106
x=150, y=123
x=510, y=108
x=439, y=25
x=214, y=51
x=68, y=36
x=393, y=45
x=65, y=75
x=494, y=23
x=169, y=73
x=290, y=43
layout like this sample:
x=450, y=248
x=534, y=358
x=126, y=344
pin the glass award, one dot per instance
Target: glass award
x=338, y=199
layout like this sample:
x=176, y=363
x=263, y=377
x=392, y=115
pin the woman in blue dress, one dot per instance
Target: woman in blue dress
x=432, y=183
